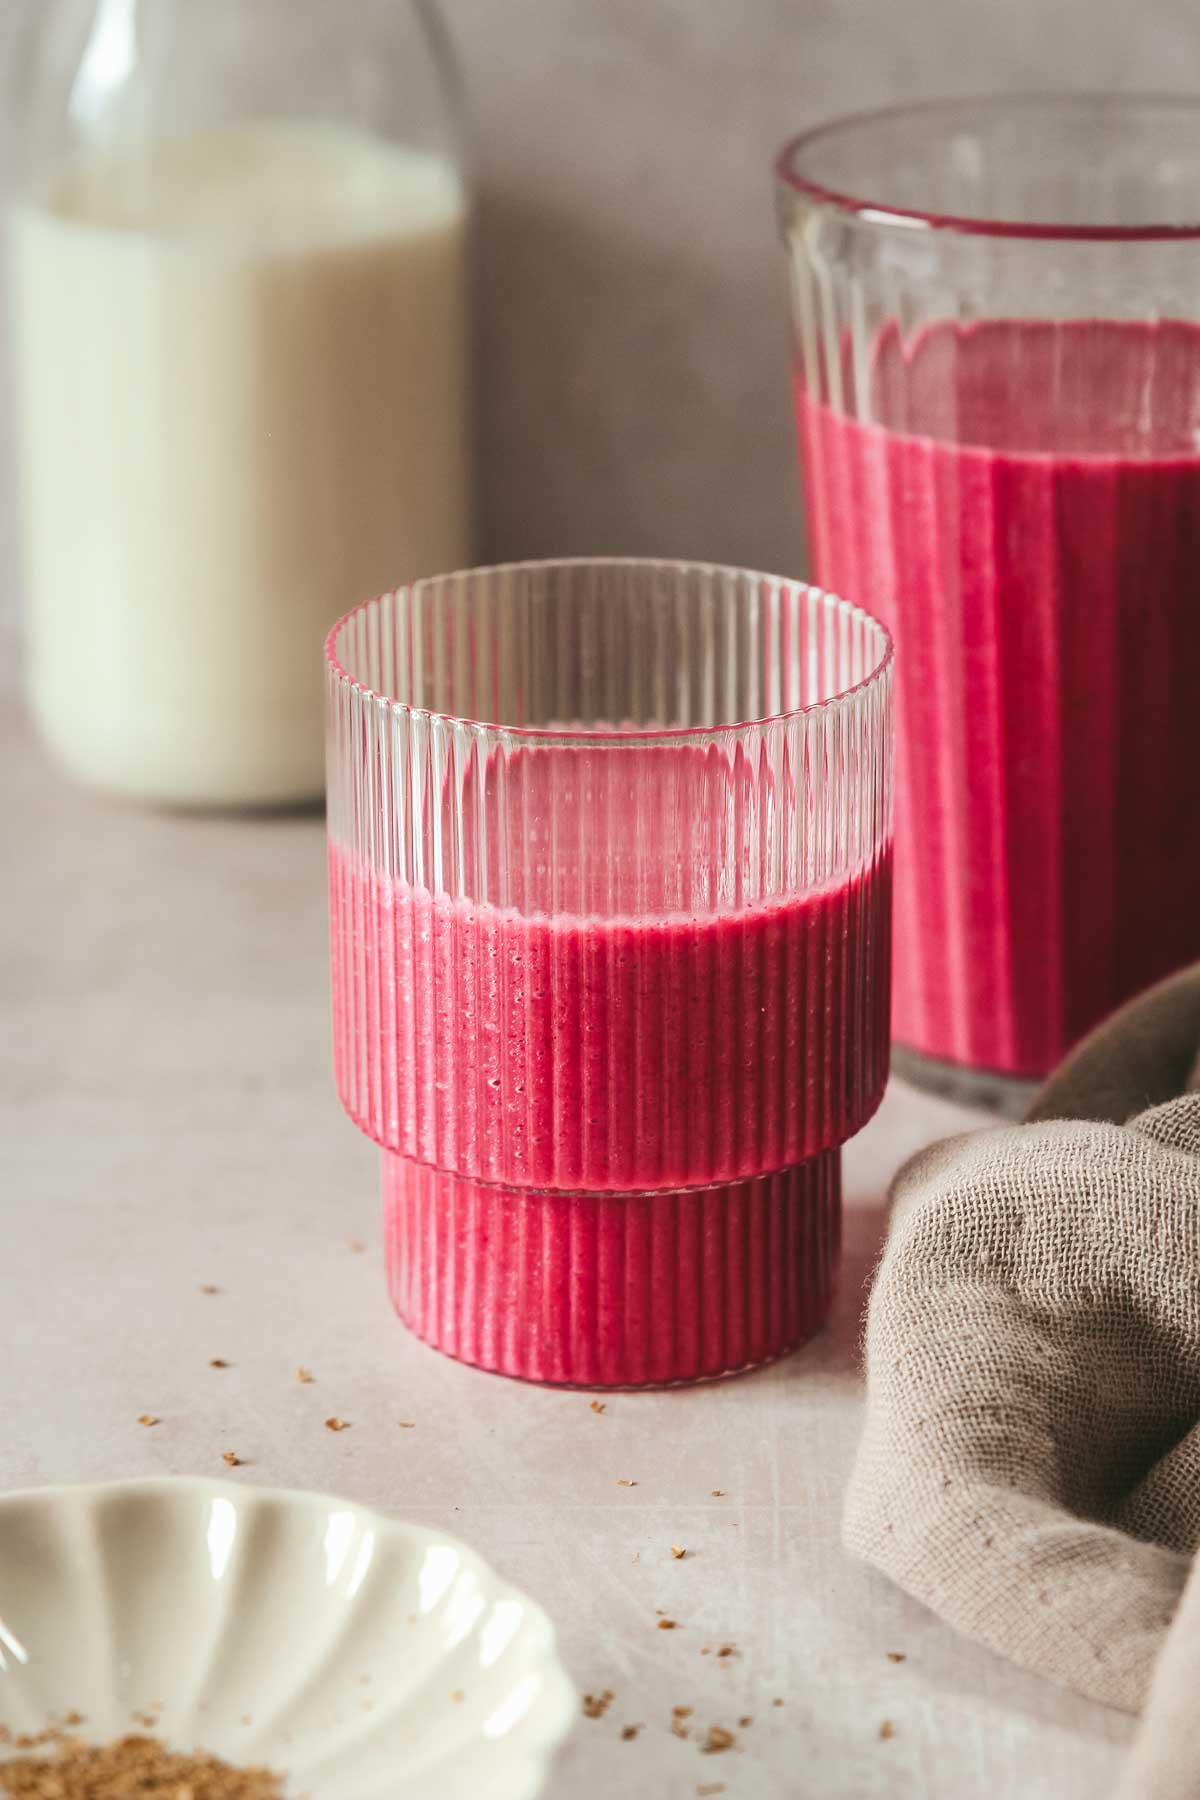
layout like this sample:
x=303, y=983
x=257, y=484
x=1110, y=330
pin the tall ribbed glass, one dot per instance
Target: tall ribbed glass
x=610, y=872
x=997, y=376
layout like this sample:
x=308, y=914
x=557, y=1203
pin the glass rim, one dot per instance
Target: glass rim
x=791, y=178
x=606, y=736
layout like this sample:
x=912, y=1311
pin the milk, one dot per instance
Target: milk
x=243, y=407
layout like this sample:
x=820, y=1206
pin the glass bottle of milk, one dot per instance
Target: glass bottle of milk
x=239, y=276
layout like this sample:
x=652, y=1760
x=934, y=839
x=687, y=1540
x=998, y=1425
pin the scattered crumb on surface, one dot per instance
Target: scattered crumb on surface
x=233, y=1459
x=336, y=1424
x=623, y=1482
x=209, y=1287
x=710, y=1787
x=304, y=1375
x=887, y=1730
x=716, y=1740
x=629, y=1732
x=457, y=1696
x=777, y=1701
x=718, y=1493
x=67, y=1768
x=598, y=1406
x=678, y=1552
x=357, y=1245
x=636, y=1557
x=896, y=1656
x=668, y=1624
x=682, y=1712
x=727, y=1650
x=217, y=1362
x=407, y=1424
x=744, y=1721
x=148, y=1419
x=596, y=1705
x=706, y=1649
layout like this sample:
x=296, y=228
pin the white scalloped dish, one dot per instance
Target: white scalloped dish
x=363, y=1658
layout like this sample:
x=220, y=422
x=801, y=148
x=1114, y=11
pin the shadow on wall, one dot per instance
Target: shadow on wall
x=653, y=413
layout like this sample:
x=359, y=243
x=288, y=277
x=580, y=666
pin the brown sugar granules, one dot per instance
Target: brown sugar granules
x=718, y=1739
x=69, y=1769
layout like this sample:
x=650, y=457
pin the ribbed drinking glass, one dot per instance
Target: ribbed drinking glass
x=997, y=369
x=610, y=854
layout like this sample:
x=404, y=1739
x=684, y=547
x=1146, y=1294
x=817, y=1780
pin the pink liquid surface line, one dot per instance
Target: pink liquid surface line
x=608, y=1054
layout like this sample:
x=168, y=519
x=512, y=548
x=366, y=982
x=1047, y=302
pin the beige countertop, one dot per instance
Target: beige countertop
x=167, y=1120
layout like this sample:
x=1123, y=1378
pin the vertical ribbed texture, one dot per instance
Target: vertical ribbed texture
x=608, y=1054
x=1011, y=480
x=617, y=942
x=616, y=1290
x=1048, y=865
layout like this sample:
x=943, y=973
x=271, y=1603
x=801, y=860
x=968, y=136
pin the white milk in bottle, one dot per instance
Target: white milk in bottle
x=242, y=375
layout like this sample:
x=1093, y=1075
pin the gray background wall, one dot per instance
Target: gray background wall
x=633, y=394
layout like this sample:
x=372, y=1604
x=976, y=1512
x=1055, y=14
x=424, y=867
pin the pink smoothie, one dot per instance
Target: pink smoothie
x=548, y=1081
x=1041, y=576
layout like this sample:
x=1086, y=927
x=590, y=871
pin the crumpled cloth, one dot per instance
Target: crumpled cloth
x=1030, y=1466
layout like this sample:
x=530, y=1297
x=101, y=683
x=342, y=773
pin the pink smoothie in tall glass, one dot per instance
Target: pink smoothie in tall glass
x=613, y=1112
x=1024, y=512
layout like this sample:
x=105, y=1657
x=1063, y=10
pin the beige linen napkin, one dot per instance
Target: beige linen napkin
x=1030, y=1467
